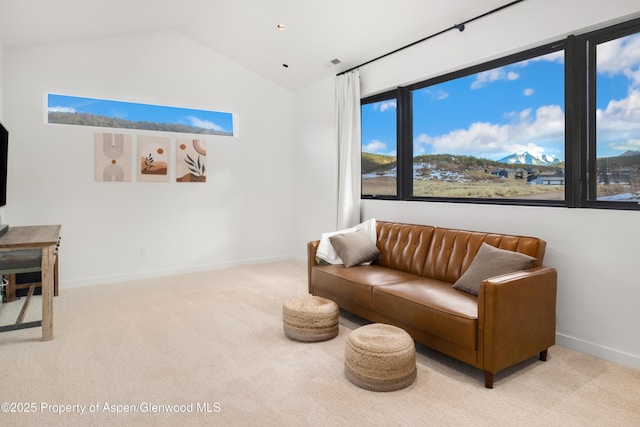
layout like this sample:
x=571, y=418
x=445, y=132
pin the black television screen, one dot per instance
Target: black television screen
x=4, y=150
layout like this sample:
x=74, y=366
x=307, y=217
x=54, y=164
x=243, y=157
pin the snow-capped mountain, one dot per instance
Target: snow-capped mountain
x=529, y=159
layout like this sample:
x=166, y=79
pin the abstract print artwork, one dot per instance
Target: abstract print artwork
x=153, y=158
x=112, y=157
x=191, y=157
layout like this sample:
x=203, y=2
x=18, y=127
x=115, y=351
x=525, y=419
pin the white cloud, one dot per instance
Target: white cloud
x=375, y=147
x=205, y=124
x=622, y=146
x=386, y=105
x=500, y=73
x=439, y=95
x=621, y=56
x=490, y=76
x=525, y=132
x=61, y=110
x=619, y=123
x=512, y=75
x=519, y=115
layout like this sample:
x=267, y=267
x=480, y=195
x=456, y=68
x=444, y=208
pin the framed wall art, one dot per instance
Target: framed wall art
x=153, y=158
x=112, y=157
x=191, y=159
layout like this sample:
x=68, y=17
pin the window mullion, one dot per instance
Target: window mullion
x=575, y=121
x=405, y=144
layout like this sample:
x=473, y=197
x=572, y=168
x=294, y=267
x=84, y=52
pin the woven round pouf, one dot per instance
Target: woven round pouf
x=310, y=318
x=380, y=357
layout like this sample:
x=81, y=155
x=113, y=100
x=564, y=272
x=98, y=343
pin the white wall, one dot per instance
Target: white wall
x=241, y=214
x=525, y=25
x=315, y=163
x=595, y=251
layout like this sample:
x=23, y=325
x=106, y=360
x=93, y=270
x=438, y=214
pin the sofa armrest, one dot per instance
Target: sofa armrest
x=516, y=317
x=312, y=248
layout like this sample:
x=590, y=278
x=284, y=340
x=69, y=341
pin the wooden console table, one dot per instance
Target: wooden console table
x=43, y=238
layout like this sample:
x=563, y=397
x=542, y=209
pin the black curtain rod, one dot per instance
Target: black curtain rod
x=459, y=27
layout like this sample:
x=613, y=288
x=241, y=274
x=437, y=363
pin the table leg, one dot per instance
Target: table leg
x=10, y=289
x=47, y=293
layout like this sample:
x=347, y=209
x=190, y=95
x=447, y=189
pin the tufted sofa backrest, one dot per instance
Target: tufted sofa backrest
x=443, y=253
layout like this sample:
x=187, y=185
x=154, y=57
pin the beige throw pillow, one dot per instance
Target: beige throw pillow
x=490, y=262
x=327, y=253
x=354, y=248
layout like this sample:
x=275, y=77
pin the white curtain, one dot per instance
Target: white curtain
x=348, y=127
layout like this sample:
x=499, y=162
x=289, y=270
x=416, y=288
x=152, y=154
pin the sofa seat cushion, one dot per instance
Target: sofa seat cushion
x=356, y=283
x=432, y=306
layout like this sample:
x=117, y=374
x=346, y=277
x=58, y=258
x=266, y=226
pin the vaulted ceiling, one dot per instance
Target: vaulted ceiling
x=245, y=31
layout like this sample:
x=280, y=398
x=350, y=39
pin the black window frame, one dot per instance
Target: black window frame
x=588, y=44
x=387, y=96
x=579, y=109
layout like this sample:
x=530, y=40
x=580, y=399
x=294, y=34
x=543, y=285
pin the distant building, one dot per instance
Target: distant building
x=618, y=176
x=550, y=179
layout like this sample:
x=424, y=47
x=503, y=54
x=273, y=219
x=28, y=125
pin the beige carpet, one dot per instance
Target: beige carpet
x=213, y=343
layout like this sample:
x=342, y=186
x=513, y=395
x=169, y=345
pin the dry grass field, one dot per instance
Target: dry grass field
x=465, y=177
x=496, y=189
x=615, y=189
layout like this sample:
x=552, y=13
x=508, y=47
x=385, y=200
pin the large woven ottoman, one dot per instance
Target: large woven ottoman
x=310, y=318
x=380, y=357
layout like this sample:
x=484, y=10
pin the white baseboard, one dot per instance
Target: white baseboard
x=299, y=258
x=597, y=350
x=103, y=280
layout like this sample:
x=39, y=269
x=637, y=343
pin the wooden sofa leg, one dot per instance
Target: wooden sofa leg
x=488, y=376
x=488, y=379
x=543, y=355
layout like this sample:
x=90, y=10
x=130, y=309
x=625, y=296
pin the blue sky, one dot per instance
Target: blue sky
x=516, y=108
x=214, y=120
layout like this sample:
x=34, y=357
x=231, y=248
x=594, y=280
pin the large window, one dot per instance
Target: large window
x=379, y=152
x=615, y=153
x=558, y=125
x=493, y=133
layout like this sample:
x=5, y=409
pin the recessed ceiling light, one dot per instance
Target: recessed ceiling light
x=280, y=26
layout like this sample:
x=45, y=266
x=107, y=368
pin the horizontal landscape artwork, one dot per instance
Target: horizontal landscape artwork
x=79, y=111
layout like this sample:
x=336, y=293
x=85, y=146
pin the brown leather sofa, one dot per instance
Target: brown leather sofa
x=410, y=286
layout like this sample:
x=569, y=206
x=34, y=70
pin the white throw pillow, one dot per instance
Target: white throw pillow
x=327, y=253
